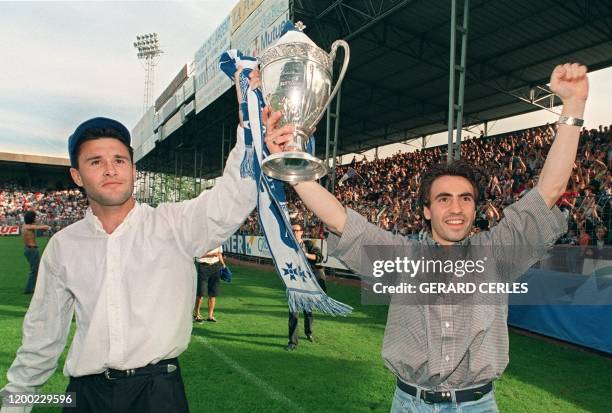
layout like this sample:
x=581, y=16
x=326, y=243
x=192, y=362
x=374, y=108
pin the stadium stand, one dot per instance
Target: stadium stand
x=39, y=183
x=384, y=190
x=57, y=208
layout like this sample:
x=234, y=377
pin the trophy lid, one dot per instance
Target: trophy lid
x=294, y=43
x=294, y=34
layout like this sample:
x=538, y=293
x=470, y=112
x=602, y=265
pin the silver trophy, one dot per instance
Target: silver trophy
x=296, y=79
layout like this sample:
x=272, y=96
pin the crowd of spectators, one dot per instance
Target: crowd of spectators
x=384, y=190
x=54, y=207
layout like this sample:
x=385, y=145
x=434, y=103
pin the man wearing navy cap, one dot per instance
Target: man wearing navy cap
x=126, y=271
x=87, y=146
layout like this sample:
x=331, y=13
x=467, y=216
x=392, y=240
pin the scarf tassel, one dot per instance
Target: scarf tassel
x=305, y=301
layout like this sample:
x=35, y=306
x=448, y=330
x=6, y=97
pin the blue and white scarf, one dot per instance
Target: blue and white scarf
x=303, y=290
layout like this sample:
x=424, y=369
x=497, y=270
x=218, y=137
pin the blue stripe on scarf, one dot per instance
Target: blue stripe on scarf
x=303, y=291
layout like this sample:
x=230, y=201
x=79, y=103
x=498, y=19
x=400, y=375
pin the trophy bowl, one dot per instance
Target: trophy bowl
x=296, y=79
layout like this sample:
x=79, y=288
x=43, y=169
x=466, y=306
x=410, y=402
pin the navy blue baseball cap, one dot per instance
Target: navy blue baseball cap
x=96, y=123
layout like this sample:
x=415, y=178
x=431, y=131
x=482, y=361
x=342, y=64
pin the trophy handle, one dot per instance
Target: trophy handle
x=332, y=55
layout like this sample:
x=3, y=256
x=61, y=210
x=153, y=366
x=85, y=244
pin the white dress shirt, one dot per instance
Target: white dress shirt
x=132, y=291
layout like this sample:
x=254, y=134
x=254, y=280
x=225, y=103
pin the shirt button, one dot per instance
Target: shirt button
x=447, y=358
x=447, y=324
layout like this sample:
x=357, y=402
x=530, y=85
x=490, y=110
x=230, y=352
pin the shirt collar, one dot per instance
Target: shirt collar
x=94, y=222
x=428, y=240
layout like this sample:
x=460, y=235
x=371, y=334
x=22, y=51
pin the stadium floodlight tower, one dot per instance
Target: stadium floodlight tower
x=149, y=51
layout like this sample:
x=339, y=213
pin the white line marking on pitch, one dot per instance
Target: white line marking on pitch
x=272, y=393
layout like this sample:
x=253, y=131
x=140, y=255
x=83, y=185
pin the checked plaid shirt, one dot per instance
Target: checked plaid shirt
x=445, y=347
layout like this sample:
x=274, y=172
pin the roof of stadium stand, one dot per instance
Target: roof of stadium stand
x=396, y=87
x=16, y=158
x=22, y=165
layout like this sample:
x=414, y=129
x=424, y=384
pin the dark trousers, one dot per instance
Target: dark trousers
x=33, y=258
x=293, y=325
x=158, y=393
x=308, y=319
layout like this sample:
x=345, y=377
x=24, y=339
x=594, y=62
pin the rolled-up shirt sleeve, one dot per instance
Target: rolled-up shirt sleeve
x=205, y=222
x=358, y=232
x=45, y=329
x=530, y=221
x=525, y=234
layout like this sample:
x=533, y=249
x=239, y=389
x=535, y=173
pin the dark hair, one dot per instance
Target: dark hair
x=29, y=217
x=455, y=168
x=99, y=133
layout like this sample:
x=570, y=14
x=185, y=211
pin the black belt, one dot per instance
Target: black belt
x=31, y=246
x=445, y=396
x=162, y=367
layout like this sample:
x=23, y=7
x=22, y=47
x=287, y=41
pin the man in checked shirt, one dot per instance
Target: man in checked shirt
x=446, y=359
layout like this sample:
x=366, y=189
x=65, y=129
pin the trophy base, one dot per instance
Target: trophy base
x=294, y=167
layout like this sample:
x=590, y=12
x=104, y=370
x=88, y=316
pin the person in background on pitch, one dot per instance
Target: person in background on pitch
x=208, y=279
x=314, y=256
x=446, y=357
x=30, y=248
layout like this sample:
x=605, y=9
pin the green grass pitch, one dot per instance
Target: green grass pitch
x=239, y=364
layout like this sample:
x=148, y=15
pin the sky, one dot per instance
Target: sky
x=598, y=111
x=65, y=62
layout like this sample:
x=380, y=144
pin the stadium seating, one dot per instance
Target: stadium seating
x=57, y=208
x=384, y=190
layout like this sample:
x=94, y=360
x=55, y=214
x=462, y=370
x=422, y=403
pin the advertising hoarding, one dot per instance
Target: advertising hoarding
x=210, y=82
x=261, y=28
